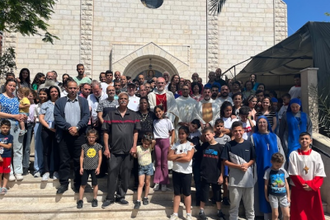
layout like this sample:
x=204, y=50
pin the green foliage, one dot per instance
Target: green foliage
x=7, y=62
x=215, y=6
x=327, y=14
x=27, y=17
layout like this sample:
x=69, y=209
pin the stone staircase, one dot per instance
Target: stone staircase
x=33, y=199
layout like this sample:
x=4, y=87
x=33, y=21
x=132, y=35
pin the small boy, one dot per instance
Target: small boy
x=306, y=170
x=239, y=156
x=286, y=100
x=143, y=154
x=6, y=143
x=90, y=163
x=277, y=187
x=247, y=122
x=211, y=172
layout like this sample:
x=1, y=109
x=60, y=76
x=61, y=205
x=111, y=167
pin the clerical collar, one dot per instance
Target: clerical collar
x=308, y=152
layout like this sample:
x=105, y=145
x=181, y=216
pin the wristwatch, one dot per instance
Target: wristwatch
x=77, y=128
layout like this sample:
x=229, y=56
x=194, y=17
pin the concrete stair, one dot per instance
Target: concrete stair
x=34, y=199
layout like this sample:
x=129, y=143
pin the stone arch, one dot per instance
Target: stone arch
x=142, y=63
x=138, y=61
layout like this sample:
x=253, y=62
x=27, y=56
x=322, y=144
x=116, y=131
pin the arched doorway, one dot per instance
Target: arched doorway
x=144, y=64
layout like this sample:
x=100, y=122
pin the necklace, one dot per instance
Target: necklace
x=144, y=117
x=306, y=168
x=161, y=100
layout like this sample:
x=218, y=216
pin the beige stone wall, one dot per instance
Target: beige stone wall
x=104, y=34
x=247, y=28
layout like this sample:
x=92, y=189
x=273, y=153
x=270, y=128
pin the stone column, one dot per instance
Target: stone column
x=86, y=35
x=309, y=95
x=212, y=41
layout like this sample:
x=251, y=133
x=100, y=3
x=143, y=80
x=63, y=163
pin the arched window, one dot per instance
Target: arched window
x=152, y=3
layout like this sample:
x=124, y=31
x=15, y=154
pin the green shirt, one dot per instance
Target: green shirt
x=83, y=80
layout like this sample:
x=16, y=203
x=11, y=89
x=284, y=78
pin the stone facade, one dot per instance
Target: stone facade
x=180, y=36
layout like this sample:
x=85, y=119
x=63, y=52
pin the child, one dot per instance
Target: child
x=306, y=171
x=225, y=114
x=24, y=106
x=276, y=187
x=6, y=143
x=90, y=163
x=163, y=129
x=248, y=123
x=222, y=139
x=143, y=153
x=286, y=100
x=181, y=154
x=211, y=172
x=239, y=156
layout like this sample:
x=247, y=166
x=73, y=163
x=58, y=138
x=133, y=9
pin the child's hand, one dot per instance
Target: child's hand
x=97, y=171
x=220, y=180
x=289, y=200
x=81, y=171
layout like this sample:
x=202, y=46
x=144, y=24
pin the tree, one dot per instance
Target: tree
x=27, y=17
x=7, y=61
x=216, y=6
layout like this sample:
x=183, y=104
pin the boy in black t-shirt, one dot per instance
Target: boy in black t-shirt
x=211, y=172
x=239, y=156
x=6, y=143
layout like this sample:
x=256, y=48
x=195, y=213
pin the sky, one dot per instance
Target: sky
x=302, y=11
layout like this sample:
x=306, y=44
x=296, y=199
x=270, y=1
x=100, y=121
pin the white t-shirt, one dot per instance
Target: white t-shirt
x=162, y=127
x=247, y=129
x=295, y=92
x=134, y=103
x=228, y=122
x=181, y=167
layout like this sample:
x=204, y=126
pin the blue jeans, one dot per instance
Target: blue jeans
x=26, y=144
x=38, y=154
x=16, y=165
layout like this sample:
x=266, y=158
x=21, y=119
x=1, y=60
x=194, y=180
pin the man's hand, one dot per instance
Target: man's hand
x=133, y=150
x=220, y=180
x=73, y=131
x=107, y=153
x=306, y=187
x=81, y=171
x=268, y=198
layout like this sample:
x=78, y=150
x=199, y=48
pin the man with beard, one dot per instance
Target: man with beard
x=212, y=81
x=50, y=81
x=120, y=138
x=218, y=78
x=224, y=96
x=123, y=81
x=215, y=92
x=207, y=110
x=186, y=107
x=93, y=101
x=85, y=90
x=81, y=78
x=117, y=75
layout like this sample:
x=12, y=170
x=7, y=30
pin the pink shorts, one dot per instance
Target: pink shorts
x=5, y=165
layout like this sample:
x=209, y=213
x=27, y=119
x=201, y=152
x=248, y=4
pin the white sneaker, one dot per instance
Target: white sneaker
x=55, y=176
x=36, y=175
x=156, y=187
x=174, y=217
x=12, y=177
x=163, y=187
x=188, y=217
x=45, y=177
x=19, y=177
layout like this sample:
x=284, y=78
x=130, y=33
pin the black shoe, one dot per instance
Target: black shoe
x=225, y=201
x=94, y=203
x=202, y=216
x=137, y=205
x=220, y=215
x=107, y=203
x=62, y=189
x=122, y=201
x=145, y=201
x=80, y=204
x=25, y=171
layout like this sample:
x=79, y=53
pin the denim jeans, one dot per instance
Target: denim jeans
x=26, y=144
x=38, y=154
x=16, y=165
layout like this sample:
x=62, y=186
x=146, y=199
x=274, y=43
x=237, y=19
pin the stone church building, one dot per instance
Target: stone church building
x=136, y=36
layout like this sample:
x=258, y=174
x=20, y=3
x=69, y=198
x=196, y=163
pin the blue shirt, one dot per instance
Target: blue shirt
x=276, y=181
x=47, y=109
x=72, y=111
x=5, y=139
x=209, y=85
x=9, y=105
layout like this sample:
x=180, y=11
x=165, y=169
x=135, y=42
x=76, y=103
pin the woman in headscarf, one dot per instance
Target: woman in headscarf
x=266, y=143
x=294, y=122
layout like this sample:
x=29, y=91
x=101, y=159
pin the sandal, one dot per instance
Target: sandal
x=4, y=190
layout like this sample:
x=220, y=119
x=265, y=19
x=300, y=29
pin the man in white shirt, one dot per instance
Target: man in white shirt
x=93, y=101
x=295, y=90
x=224, y=96
x=134, y=101
x=186, y=107
x=207, y=110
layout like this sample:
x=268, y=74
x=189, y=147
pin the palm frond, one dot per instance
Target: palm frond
x=216, y=6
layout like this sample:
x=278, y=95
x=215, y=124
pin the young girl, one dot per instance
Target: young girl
x=90, y=163
x=225, y=114
x=181, y=154
x=24, y=106
x=38, y=149
x=143, y=153
x=252, y=102
x=163, y=129
x=237, y=99
x=266, y=111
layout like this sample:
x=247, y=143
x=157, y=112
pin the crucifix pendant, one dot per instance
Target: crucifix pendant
x=306, y=169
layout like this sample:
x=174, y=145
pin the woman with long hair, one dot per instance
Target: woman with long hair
x=24, y=78
x=38, y=80
x=266, y=110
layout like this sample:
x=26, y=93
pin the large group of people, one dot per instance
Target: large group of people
x=225, y=134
